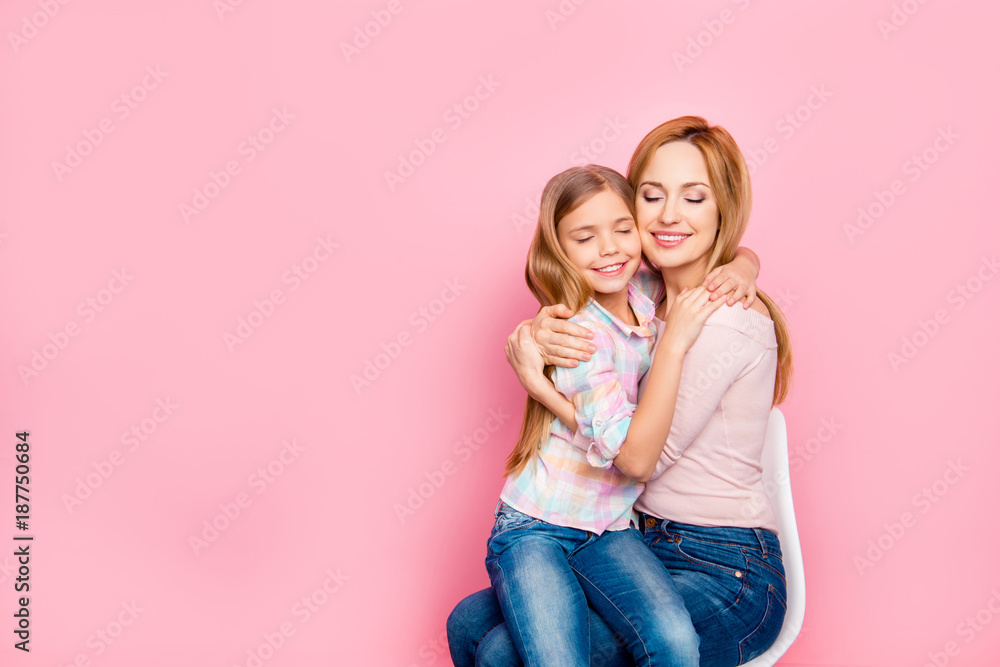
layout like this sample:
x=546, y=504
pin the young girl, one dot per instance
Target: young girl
x=562, y=534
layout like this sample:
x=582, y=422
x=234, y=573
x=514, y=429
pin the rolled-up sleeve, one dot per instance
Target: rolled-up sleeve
x=603, y=409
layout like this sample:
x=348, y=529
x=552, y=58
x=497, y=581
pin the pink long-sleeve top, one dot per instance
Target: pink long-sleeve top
x=709, y=472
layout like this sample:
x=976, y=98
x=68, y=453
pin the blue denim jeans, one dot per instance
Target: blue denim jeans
x=544, y=576
x=731, y=580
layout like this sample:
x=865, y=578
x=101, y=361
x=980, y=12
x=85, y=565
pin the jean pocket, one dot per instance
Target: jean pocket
x=762, y=637
x=772, y=568
x=509, y=518
x=719, y=569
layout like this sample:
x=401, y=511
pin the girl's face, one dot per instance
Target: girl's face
x=599, y=236
x=678, y=216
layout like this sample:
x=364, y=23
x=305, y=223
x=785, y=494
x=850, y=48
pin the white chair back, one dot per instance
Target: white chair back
x=779, y=491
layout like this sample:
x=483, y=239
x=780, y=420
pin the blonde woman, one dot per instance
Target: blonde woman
x=708, y=406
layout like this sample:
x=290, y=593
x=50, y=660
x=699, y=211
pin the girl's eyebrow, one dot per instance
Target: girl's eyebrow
x=686, y=185
x=587, y=228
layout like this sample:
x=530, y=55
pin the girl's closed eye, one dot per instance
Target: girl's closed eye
x=695, y=201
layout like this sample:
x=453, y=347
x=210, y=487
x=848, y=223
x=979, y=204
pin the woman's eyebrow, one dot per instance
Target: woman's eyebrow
x=660, y=185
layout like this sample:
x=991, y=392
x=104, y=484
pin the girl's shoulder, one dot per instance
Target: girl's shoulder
x=649, y=282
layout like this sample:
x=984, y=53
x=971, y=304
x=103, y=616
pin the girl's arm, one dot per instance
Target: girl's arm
x=651, y=421
x=738, y=279
x=633, y=437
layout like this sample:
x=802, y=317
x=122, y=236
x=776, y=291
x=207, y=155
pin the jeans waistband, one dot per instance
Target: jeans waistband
x=755, y=538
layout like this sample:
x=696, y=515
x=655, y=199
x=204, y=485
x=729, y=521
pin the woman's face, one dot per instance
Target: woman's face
x=600, y=238
x=678, y=215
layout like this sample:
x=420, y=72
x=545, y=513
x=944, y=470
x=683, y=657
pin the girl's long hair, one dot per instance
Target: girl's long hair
x=553, y=278
x=730, y=182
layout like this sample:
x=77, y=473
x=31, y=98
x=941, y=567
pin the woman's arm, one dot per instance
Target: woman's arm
x=526, y=360
x=589, y=399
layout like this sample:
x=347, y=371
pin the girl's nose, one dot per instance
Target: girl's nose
x=609, y=245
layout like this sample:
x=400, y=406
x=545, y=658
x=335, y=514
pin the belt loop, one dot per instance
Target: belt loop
x=760, y=538
x=496, y=510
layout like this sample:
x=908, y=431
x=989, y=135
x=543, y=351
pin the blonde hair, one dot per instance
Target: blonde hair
x=553, y=278
x=729, y=179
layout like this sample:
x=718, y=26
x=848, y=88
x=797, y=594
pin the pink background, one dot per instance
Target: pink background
x=426, y=280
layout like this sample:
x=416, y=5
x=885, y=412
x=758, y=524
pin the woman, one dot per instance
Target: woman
x=692, y=202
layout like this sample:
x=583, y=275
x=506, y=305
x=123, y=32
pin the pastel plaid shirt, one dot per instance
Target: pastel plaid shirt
x=573, y=482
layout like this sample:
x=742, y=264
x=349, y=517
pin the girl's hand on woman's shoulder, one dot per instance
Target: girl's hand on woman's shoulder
x=686, y=318
x=737, y=281
x=560, y=342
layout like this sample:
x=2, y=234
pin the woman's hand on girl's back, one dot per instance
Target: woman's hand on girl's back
x=524, y=357
x=561, y=343
x=686, y=317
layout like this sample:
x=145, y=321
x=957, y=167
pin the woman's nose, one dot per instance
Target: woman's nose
x=669, y=212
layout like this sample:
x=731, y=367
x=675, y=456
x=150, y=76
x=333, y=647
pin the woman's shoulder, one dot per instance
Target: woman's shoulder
x=754, y=322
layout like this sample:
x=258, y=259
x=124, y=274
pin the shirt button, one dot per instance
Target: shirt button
x=598, y=422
